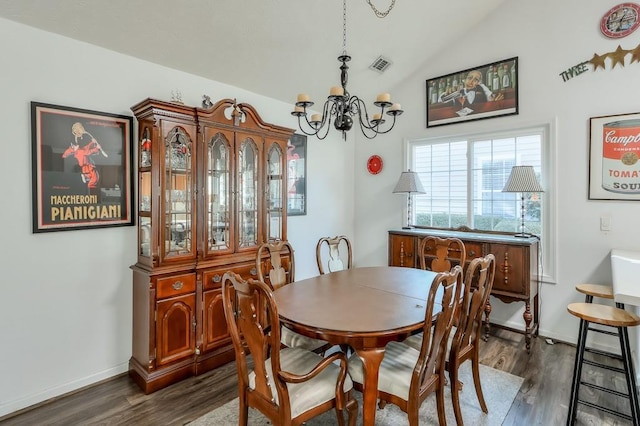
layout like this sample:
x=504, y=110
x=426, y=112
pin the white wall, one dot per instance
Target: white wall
x=548, y=36
x=65, y=320
x=66, y=316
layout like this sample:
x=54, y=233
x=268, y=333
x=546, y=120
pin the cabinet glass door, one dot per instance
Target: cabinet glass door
x=247, y=193
x=218, y=194
x=178, y=197
x=144, y=191
x=275, y=192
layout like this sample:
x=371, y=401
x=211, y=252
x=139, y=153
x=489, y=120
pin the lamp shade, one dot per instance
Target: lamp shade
x=522, y=179
x=409, y=182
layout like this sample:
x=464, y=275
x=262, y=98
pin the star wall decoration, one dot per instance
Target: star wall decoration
x=598, y=61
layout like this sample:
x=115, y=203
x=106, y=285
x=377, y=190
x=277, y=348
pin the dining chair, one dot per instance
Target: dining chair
x=407, y=376
x=337, y=249
x=441, y=254
x=436, y=255
x=275, y=263
x=464, y=343
x=289, y=386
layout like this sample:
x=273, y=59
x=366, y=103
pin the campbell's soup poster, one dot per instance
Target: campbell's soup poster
x=620, y=155
x=81, y=168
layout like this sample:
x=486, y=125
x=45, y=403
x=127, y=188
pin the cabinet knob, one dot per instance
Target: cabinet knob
x=472, y=253
x=253, y=272
x=197, y=351
x=177, y=285
x=216, y=278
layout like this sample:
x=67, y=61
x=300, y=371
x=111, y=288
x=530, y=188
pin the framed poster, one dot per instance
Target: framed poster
x=614, y=153
x=485, y=91
x=81, y=168
x=297, y=175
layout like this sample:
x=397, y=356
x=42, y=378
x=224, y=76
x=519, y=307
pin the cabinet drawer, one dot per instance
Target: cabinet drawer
x=176, y=285
x=212, y=278
x=402, y=251
x=473, y=250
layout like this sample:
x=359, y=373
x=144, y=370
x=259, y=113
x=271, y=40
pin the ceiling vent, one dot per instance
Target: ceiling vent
x=381, y=64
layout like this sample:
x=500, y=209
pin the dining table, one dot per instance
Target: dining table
x=365, y=308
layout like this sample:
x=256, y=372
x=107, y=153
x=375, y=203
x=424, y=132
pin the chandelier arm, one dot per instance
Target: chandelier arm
x=367, y=129
x=393, y=123
x=326, y=120
x=376, y=131
x=357, y=106
x=303, y=130
x=314, y=131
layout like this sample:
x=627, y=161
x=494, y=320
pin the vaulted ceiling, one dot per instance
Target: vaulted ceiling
x=276, y=48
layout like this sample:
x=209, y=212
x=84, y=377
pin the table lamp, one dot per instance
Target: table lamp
x=409, y=183
x=522, y=179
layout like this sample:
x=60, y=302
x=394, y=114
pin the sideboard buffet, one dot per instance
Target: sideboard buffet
x=211, y=189
x=516, y=278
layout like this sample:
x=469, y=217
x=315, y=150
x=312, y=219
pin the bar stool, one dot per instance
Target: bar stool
x=613, y=317
x=603, y=292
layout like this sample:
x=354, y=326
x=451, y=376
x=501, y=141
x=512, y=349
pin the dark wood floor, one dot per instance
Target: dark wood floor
x=542, y=400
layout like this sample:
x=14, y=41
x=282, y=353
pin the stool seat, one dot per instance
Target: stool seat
x=596, y=290
x=603, y=314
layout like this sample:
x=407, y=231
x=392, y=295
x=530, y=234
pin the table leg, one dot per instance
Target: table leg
x=371, y=359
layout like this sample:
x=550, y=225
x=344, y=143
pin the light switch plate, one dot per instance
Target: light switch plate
x=605, y=223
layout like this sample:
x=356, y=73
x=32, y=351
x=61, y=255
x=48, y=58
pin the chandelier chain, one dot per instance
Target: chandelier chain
x=381, y=14
x=344, y=27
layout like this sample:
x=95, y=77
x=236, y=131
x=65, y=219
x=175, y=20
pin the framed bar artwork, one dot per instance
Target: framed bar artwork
x=476, y=93
x=297, y=175
x=614, y=153
x=81, y=168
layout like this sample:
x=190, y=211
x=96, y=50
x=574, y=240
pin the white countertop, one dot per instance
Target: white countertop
x=625, y=268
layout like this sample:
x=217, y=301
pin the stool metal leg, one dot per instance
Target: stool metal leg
x=629, y=374
x=577, y=372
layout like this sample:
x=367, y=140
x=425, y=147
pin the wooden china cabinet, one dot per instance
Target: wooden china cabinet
x=211, y=189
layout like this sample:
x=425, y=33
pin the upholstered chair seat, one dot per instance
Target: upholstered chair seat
x=310, y=394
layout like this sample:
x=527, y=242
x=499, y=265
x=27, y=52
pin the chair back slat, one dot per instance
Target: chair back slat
x=434, y=342
x=441, y=254
x=279, y=269
x=338, y=250
x=478, y=285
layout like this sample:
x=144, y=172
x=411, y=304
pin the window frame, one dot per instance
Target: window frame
x=547, y=130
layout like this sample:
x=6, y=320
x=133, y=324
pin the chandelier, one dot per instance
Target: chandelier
x=343, y=109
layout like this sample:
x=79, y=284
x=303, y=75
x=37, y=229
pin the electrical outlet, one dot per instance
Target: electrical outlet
x=605, y=223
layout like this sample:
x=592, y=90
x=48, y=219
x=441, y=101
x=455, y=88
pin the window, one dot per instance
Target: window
x=463, y=177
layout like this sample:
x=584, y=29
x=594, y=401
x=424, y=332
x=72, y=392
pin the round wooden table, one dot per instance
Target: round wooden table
x=365, y=308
